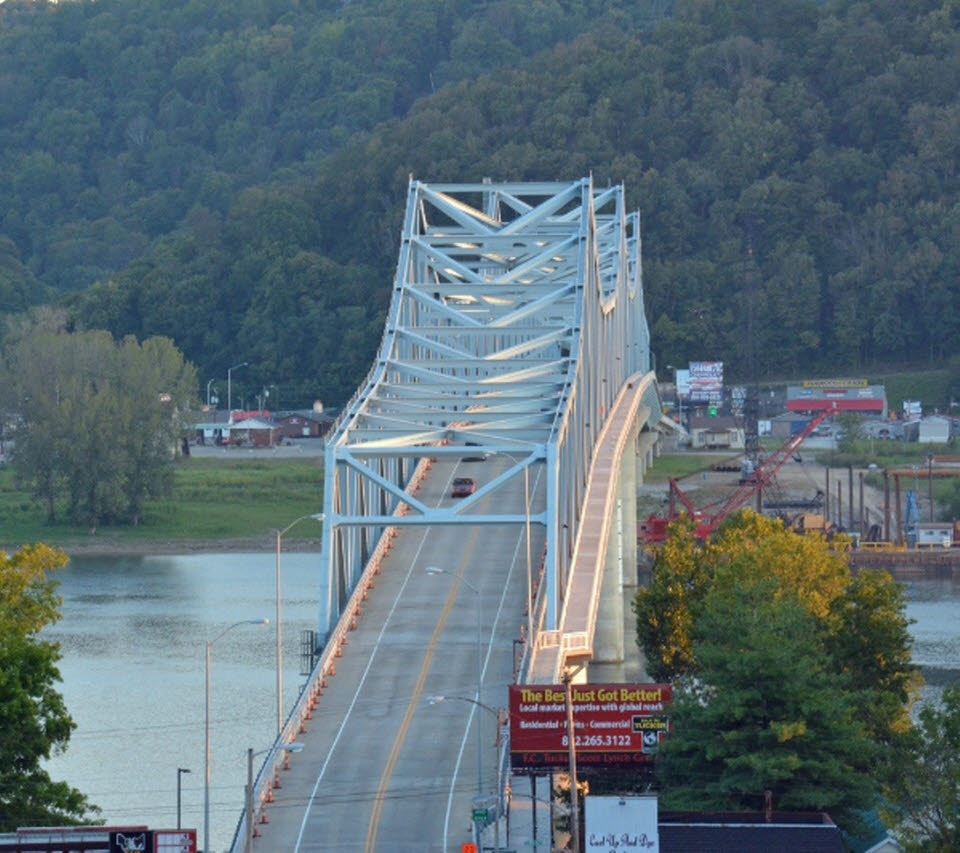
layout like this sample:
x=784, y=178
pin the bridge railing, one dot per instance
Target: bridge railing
x=574, y=637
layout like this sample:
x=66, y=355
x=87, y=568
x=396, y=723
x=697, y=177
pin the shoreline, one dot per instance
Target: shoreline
x=172, y=547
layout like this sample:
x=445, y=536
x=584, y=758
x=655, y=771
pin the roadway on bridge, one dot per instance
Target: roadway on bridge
x=383, y=766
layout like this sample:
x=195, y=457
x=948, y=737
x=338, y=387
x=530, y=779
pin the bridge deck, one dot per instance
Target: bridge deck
x=382, y=767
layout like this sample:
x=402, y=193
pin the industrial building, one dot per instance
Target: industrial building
x=844, y=395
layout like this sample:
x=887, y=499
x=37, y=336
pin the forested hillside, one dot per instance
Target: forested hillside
x=233, y=175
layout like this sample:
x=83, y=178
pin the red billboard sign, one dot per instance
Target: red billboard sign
x=613, y=724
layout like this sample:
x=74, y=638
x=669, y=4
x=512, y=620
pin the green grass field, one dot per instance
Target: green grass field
x=680, y=465
x=213, y=499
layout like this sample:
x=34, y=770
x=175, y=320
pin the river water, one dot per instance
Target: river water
x=133, y=637
x=934, y=604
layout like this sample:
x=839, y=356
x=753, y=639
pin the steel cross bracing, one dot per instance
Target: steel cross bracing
x=516, y=317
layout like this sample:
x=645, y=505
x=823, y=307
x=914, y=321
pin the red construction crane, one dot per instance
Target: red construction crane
x=654, y=529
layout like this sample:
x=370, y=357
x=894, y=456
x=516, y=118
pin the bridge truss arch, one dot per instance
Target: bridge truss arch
x=515, y=322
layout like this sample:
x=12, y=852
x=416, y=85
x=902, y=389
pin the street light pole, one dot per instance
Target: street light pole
x=572, y=757
x=206, y=727
x=526, y=504
x=248, y=806
x=433, y=570
x=180, y=772
x=502, y=718
x=293, y=746
x=230, y=385
x=318, y=516
x=676, y=385
x=209, y=383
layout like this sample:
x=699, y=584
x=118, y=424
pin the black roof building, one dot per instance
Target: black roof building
x=738, y=832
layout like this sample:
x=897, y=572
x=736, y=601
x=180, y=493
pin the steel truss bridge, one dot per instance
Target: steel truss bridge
x=516, y=335
x=516, y=319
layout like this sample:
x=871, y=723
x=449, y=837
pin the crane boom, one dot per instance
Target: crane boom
x=654, y=529
x=763, y=474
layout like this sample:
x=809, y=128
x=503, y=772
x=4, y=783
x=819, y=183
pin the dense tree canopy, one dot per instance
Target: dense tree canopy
x=860, y=620
x=178, y=170
x=98, y=422
x=791, y=675
x=34, y=722
x=764, y=715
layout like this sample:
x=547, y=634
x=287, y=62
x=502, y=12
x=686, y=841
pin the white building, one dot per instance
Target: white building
x=933, y=430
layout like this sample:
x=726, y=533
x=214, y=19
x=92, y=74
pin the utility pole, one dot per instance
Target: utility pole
x=568, y=677
x=751, y=406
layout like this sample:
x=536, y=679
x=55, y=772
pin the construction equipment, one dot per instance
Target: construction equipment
x=654, y=529
x=911, y=520
x=812, y=522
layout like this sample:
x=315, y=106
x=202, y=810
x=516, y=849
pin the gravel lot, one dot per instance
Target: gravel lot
x=289, y=449
x=794, y=482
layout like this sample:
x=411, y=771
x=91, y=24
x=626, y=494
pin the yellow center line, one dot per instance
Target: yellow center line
x=398, y=741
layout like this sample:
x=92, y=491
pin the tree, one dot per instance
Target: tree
x=868, y=639
x=923, y=790
x=667, y=607
x=953, y=371
x=18, y=286
x=684, y=570
x=789, y=670
x=34, y=722
x=32, y=395
x=155, y=384
x=851, y=428
x=764, y=713
x=820, y=137
x=98, y=422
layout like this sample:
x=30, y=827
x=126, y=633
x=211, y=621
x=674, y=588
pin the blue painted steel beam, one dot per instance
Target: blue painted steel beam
x=516, y=317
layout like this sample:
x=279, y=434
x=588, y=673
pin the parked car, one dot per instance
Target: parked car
x=462, y=487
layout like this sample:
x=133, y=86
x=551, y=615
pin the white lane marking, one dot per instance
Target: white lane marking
x=359, y=690
x=474, y=708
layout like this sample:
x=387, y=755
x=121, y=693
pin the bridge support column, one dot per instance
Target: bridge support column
x=648, y=449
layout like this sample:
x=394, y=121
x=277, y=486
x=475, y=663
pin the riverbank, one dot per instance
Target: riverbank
x=107, y=546
x=227, y=504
